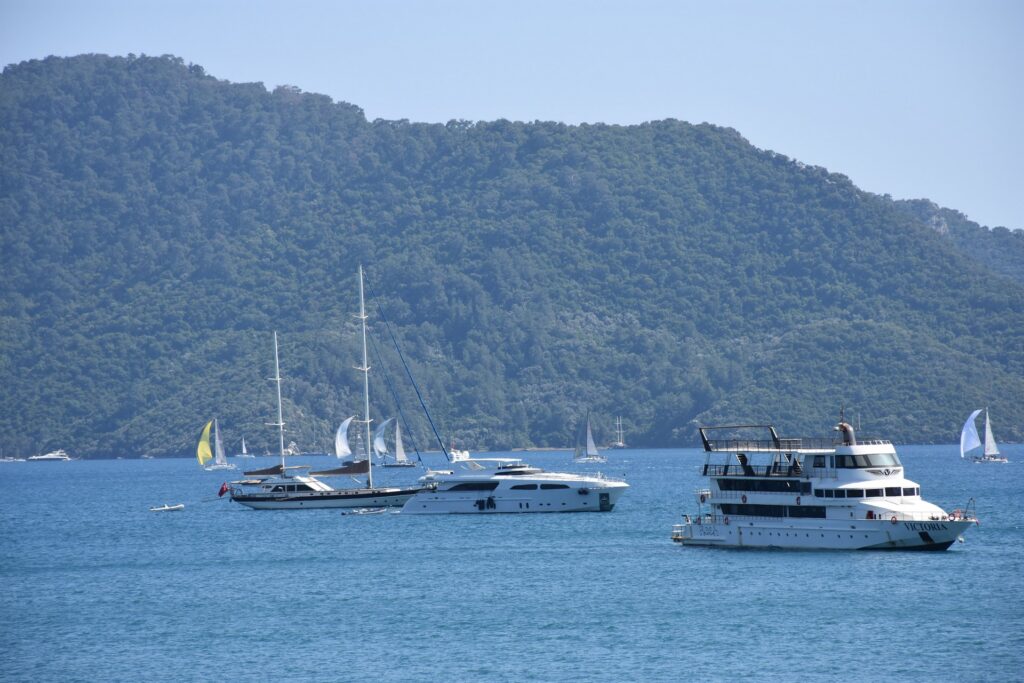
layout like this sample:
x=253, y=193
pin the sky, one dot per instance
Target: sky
x=911, y=98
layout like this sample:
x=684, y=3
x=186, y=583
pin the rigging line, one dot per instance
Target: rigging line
x=394, y=395
x=408, y=372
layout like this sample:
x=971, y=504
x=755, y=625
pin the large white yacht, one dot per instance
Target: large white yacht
x=813, y=493
x=53, y=456
x=483, y=485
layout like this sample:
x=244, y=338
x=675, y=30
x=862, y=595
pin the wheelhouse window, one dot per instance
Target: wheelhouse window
x=839, y=493
x=854, y=493
x=819, y=461
x=911, y=491
x=829, y=493
x=894, y=491
x=868, y=460
x=874, y=493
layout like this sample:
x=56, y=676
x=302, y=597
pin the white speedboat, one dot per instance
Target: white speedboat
x=53, y=456
x=813, y=494
x=485, y=485
x=168, y=508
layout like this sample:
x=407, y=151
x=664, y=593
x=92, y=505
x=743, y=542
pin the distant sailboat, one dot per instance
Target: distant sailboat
x=400, y=459
x=245, y=453
x=969, y=440
x=619, y=442
x=341, y=447
x=379, y=447
x=586, y=450
x=204, y=453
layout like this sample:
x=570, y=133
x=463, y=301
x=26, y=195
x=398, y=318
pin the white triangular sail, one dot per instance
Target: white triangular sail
x=399, y=448
x=379, y=447
x=218, y=446
x=990, y=441
x=969, y=434
x=591, y=447
x=341, y=447
x=244, y=452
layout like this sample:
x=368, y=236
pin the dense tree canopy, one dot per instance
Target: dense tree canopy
x=157, y=224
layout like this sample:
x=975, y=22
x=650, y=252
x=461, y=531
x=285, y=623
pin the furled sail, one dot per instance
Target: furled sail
x=378, y=438
x=969, y=434
x=341, y=447
x=203, y=453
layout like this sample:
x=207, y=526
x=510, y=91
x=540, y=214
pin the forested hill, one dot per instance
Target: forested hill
x=157, y=224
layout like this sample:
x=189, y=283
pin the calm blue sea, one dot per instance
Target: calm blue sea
x=97, y=588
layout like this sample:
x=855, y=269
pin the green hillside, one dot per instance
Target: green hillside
x=157, y=224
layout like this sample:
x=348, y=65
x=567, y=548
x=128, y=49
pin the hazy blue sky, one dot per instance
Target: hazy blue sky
x=914, y=98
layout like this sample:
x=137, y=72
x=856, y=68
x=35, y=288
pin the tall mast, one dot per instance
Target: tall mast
x=366, y=380
x=280, y=417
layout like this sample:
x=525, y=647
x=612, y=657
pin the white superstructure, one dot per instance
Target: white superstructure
x=486, y=485
x=811, y=493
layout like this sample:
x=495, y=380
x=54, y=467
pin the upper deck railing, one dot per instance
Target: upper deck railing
x=763, y=445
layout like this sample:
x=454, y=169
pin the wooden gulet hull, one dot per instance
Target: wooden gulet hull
x=353, y=498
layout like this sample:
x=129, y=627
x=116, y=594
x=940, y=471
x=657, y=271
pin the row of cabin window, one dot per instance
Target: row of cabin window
x=765, y=485
x=855, y=461
x=753, y=510
x=290, y=487
x=887, y=492
x=491, y=485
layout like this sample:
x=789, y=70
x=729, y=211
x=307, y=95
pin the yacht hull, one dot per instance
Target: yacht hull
x=355, y=498
x=852, y=535
x=575, y=499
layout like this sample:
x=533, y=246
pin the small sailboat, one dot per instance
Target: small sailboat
x=380, y=449
x=619, y=442
x=341, y=447
x=204, y=454
x=969, y=440
x=400, y=459
x=245, y=453
x=586, y=450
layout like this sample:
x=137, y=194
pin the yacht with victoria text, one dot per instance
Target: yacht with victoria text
x=813, y=494
x=483, y=485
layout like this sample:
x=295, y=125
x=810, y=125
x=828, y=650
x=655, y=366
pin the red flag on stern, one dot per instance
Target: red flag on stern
x=223, y=489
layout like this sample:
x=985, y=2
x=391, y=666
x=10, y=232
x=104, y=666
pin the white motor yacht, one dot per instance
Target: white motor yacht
x=53, y=456
x=485, y=485
x=814, y=494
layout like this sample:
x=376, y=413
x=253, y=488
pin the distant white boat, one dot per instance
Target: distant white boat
x=53, y=456
x=400, y=459
x=204, y=453
x=341, y=447
x=619, y=442
x=380, y=449
x=245, y=453
x=457, y=454
x=969, y=440
x=586, y=450
x=168, y=508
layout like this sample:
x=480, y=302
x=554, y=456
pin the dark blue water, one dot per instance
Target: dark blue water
x=96, y=587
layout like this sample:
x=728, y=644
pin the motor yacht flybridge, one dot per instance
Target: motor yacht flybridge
x=483, y=485
x=813, y=493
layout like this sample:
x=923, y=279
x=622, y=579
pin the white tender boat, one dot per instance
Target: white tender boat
x=485, y=485
x=168, y=508
x=813, y=494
